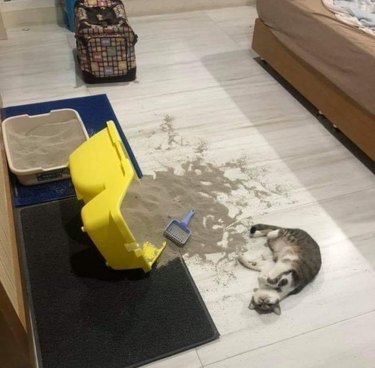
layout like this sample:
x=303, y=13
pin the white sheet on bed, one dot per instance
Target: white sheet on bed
x=358, y=13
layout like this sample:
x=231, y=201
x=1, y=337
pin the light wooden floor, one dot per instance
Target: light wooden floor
x=198, y=68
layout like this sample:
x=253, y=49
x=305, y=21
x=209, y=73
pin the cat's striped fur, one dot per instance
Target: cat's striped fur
x=296, y=262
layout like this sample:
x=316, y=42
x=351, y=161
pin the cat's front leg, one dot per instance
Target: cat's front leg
x=279, y=275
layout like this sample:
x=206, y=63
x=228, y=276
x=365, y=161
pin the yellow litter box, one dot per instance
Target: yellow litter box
x=101, y=173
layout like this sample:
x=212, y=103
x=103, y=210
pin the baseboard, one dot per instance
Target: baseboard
x=153, y=7
x=21, y=13
x=36, y=12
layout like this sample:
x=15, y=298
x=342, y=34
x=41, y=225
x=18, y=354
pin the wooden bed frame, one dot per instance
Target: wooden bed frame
x=346, y=114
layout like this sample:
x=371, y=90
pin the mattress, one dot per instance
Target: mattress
x=343, y=54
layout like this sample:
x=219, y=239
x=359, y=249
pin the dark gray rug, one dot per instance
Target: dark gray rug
x=88, y=316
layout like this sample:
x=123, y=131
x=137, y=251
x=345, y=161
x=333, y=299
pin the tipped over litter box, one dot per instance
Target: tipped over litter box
x=102, y=172
x=38, y=146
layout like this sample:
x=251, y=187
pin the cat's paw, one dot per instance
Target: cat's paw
x=273, y=282
x=248, y=263
x=254, y=233
x=277, y=282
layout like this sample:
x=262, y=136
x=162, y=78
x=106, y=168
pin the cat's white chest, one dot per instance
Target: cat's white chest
x=278, y=245
x=283, y=250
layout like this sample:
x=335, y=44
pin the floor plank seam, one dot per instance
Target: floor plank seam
x=288, y=338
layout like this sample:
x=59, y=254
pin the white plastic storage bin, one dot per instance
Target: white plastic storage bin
x=38, y=146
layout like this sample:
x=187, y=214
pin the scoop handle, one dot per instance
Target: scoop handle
x=186, y=219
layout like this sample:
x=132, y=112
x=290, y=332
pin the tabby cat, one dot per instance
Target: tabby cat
x=296, y=261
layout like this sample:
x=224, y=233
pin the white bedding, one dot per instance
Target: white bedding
x=358, y=13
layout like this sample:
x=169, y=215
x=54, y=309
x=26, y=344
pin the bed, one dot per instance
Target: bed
x=332, y=64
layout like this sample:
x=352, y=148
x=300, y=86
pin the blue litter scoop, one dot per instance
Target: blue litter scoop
x=177, y=230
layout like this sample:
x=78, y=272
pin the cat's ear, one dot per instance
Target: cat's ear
x=252, y=304
x=276, y=309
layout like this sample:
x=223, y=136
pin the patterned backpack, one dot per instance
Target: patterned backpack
x=105, y=41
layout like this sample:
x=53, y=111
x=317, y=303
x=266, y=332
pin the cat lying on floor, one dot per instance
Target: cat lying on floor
x=295, y=262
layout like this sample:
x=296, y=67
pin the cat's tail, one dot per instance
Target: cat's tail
x=262, y=229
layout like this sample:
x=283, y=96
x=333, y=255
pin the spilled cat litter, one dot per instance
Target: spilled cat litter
x=223, y=195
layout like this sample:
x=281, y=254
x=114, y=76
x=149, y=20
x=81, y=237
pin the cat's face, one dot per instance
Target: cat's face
x=265, y=301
